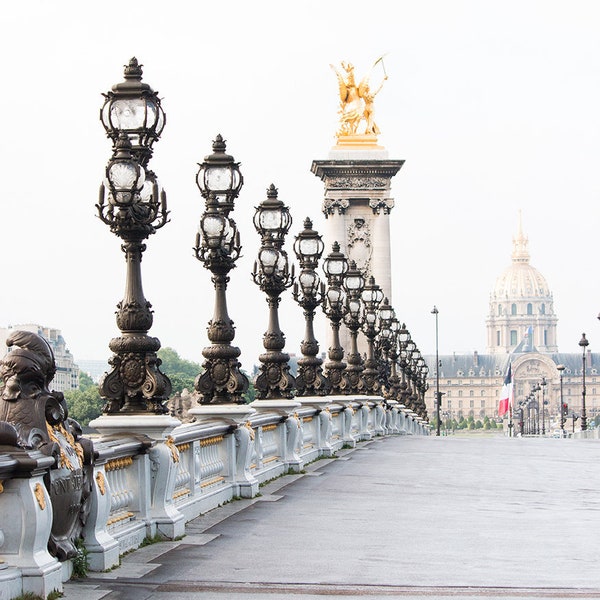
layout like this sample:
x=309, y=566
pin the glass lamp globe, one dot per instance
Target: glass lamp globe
x=219, y=177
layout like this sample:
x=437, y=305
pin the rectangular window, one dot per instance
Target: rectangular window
x=513, y=337
x=471, y=403
x=545, y=338
x=483, y=404
x=497, y=338
x=460, y=404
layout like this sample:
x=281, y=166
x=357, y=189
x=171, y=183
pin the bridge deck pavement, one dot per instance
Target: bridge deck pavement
x=406, y=517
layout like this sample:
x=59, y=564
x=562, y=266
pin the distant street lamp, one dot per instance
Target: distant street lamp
x=406, y=358
x=520, y=411
x=394, y=383
x=308, y=293
x=354, y=284
x=218, y=248
x=272, y=221
x=536, y=400
x=438, y=397
x=384, y=342
x=335, y=267
x=584, y=343
x=543, y=384
x=372, y=297
x=403, y=354
x=561, y=368
x=423, y=387
x=134, y=206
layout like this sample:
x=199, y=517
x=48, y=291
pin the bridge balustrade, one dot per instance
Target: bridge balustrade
x=143, y=486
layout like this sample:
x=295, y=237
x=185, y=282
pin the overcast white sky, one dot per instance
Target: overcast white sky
x=495, y=106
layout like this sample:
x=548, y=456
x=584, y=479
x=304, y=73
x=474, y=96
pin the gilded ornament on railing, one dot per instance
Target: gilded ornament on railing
x=250, y=430
x=40, y=496
x=101, y=483
x=356, y=102
x=118, y=463
x=1, y=486
x=215, y=439
x=170, y=443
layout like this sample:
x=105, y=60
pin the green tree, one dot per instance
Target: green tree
x=85, y=381
x=84, y=404
x=180, y=371
x=250, y=395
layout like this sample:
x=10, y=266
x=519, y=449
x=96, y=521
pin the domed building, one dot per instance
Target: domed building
x=521, y=331
x=521, y=305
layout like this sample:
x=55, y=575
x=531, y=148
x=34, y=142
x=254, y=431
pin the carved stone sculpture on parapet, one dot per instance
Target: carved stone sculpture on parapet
x=180, y=403
x=40, y=419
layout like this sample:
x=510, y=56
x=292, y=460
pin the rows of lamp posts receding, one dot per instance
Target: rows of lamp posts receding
x=134, y=206
x=530, y=409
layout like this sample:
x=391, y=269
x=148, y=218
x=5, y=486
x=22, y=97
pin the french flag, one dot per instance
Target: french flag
x=506, y=396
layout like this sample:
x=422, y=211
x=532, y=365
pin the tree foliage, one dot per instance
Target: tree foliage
x=84, y=404
x=85, y=381
x=180, y=371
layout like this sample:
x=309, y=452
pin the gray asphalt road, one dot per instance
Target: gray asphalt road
x=406, y=517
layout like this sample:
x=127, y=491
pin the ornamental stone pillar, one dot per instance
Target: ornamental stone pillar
x=357, y=204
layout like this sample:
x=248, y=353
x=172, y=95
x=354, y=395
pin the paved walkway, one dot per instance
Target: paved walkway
x=450, y=517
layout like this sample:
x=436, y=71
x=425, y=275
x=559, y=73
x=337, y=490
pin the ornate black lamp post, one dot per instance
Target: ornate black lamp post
x=584, y=343
x=371, y=297
x=335, y=267
x=272, y=221
x=421, y=385
x=543, y=384
x=406, y=346
x=354, y=284
x=384, y=342
x=536, y=399
x=560, y=369
x=394, y=381
x=218, y=248
x=308, y=248
x=415, y=373
x=133, y=205
x=424, y=387
x=438, y=397
x=520, y=411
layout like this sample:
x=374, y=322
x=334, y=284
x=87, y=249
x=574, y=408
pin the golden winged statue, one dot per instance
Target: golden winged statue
x=356, y=101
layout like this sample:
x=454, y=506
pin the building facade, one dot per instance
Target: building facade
x=521, y=331
x=67, y=372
